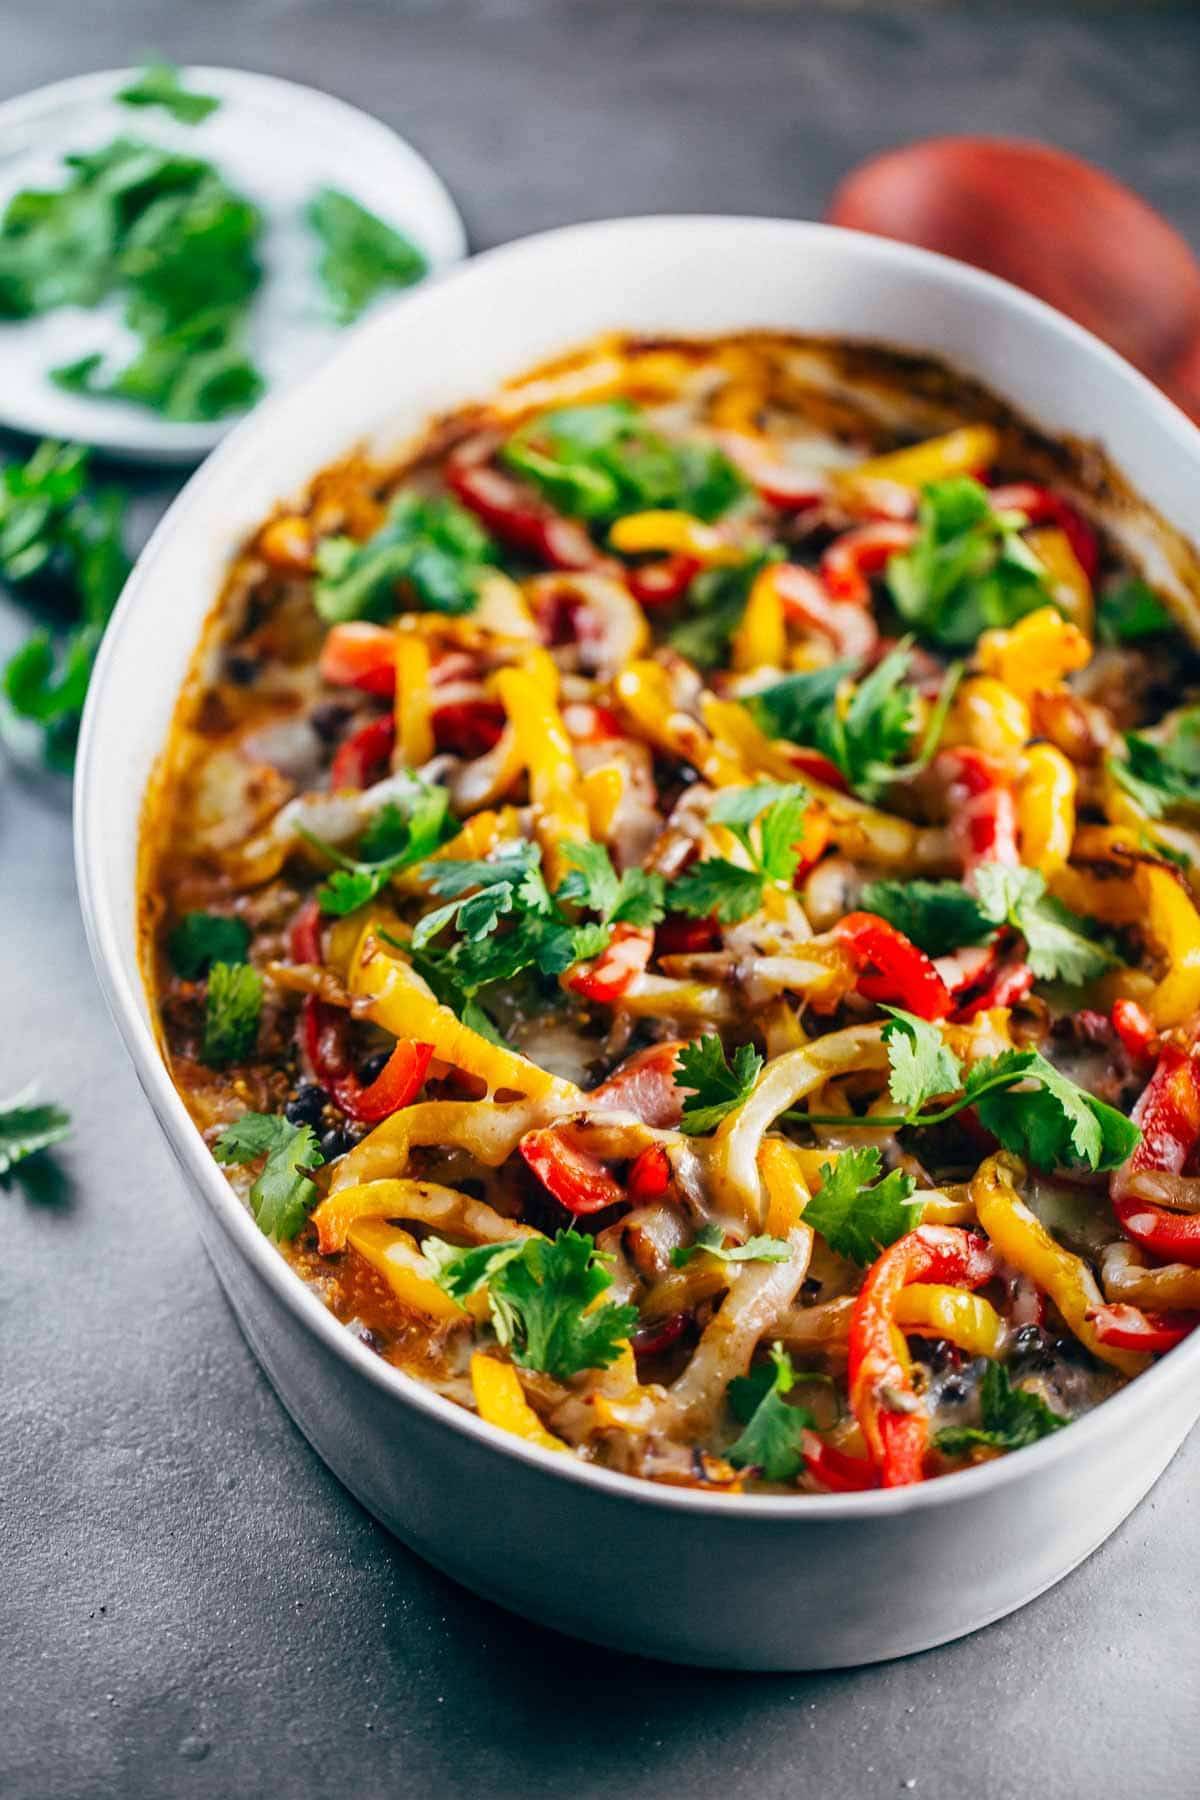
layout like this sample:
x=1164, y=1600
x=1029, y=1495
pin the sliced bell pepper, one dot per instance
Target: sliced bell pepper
x=1065, y=575
x=760, y=640
x=1033, y=655
x=1046, y=808
x=577, y=1180
x=988, y=716
x=515, y=515
x=1042, y=506
x=468, y=727
x=965, y=451
x=677, y=533
x=645, y=1085
x=1135, y=1030
x=396, y=1256
x=414, y=731
x=840, y=1473
x=890, y=966
x=983, y=815
x=605, y=978
x=1124, y=1327
x=324, y=1036
x=663, y=582
x=965, y=1319
x=559, y=806
x=1169, y=1116
x=501, y=1401
x=650, y=1174
x=860, y=553
x=364, y=755
x=304, y=933
x=360, y=655
x=807, y=602
x=1012, y=984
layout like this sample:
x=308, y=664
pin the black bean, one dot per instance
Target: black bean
x=307, y=1106
x=373, y=1066
x=328, y=718
x=335, y=1143
x=242, y=670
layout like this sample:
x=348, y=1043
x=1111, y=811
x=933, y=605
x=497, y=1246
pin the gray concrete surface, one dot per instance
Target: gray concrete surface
x=189, y=1604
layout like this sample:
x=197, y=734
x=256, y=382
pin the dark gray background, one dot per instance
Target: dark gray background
x=189, y=1604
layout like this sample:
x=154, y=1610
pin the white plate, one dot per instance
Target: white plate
x=275, y=142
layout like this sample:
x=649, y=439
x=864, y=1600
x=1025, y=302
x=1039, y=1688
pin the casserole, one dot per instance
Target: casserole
x=841, y=1579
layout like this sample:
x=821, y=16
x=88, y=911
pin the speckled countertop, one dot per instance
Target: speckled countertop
x=190, y=1605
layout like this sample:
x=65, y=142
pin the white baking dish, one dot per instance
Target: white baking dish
x=742, y=1582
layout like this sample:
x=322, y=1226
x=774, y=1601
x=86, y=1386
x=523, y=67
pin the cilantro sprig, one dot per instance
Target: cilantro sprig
x=283, y=1191
x=710, y=1241
x=1010, y=1417
x=429, y=552
x=402, y=833
x=866, y=729
x=160, y=84
x=969, y=567
x=232, y=1007
x=773, y=1439
x=361, y=256
x=858, y=1209
x=766, y=819
x=1163, y=774
x=542, y=1297
x=1131, y=611
x=203, y=938
x=713, y=1086
x=28, y=1127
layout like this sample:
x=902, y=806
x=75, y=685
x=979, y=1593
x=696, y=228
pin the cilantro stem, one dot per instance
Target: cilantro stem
x=335, y=856
x=915, y=1120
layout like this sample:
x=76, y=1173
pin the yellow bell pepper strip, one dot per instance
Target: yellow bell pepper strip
x=644, y=692
x=1019, y=1236
x=560, y=808
x=397, y=1257
x=786, y=1188
x=760, y=640
x=414, y=724
x=501, y=1401
x=391, y=995
x=603, y=791
x=988, y=716
x=676, y=533
x=1173, y=927
x=963, y=452
x=478, y=838
x=1046, y=808
x=1066, y=576
x=967, y=1319
x=1034, y=654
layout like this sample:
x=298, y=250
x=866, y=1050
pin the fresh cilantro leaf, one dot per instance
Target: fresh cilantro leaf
x=282, y=1192
x=938, y=916
x=717, y=888
x=542, y=1297
x=716, y=600
x=922, y=1063
x=1054, y=1123
x=858, y=1210
x=773, y=1441
x=361, y=256
x=201, y=939
x=767, y=820
x=407, y=831
x=714, y=1086
x=27, y=1128
x=430, y=553
x=633, y=898
x=710, y=1240
x=1164, y=774
x=1130, y=611
x=968, y=569
x=159, y=84
x=598, y=461
x=231, y=1012
x=1057, y=947
x=1011, y=1417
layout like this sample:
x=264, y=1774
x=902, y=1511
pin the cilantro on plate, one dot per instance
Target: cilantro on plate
x=969, y=567
x=1010, y=1417
x=430, y=553
x=232, y=1008
x=713, y=1086
x=282, y=1192
x=767, y=820
x=160, y=84
x=28, y=1127
x=361, y=256
x=773, y=1440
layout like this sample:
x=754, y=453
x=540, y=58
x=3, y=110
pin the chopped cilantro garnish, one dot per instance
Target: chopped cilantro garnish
x=710, y=1240
x=231, y=1012
x=541, y=1295
x=401, y=834
x=159, y=84
x=922, y=1064
x=632, y=898
x=201, y=939
x=968, y=569
x=27, y=1127
x=1011, y=1417
x=773, y=1439
x=282, y=1192
x=1130, y=611
x=714, y=1086
x=430, y=553
x=361, y=256
x=857, y=1209
x=1056, y=945
x=767, y=820
x=938, y=916
x=1164, y=774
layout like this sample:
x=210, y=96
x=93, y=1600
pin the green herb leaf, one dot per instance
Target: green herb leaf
x=716, y=600
x=710, y=1241
x=159, y=84
x=429, y=553
x=1012, y=1417
x=406, y=830
x=858, y=1210
x=714, y=1086
x=717, y=888
x=231, y=1014
x=938, y=916
x=27, y=1128
x=1161, y=775
x=541, y=1296
x=1057, y=947
x=282, y=1193
x=773, y=1441
x=1130, y=611
x=922, y=1063
x=1043, y=1116
x=633, y=898
x=767, y=819
x=968, y=569
x=201, y=939
x=361, y=256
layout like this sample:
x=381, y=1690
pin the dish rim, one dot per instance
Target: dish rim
x=105, y=934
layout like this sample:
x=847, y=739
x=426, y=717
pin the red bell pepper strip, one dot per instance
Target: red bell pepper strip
x=304, y=933
x=324, y=1037
x=660, y=1334
x=1169, y=1115
x=645, y=1085
x=1135, y=1030
x=360, y=655
x=840, y=1473
x=890, y=966
x=983, y=814
x=577, y=1180
x=1042, y=506
x=860, y=553
x=663, y=582
x=681, y=936
x=892, y=1417
x=1011, y=985
x=650, y=1174
x=785, y=488
x=362, y=757
x=515, y=514
x=606, y=977
x=850, y=628
x=1129, y=1328
x=468, y=727
x=818, y=768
